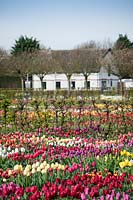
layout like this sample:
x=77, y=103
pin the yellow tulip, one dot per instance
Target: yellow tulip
x=37, y=164
x=42, y=165
x=48, y=166
x=52, y=165
x=39, y=169
x=33, y=170
x=123, y=152
x=28, y=167
x=130, y=164
x=33, y=165
x=62, y=167
x=45, y=163
x=28, y=174
x=128, y=154
x=44, y=171
x=97, y=157
x=122, y=164
x=9, y=172
x=126, y=162
x=18, y=168
x=25, y=172
x=56, y=164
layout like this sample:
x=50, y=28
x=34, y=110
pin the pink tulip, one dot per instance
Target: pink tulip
x=83, y=197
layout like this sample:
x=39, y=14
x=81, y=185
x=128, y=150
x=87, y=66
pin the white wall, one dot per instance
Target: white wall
x=79, y=81
x=128, y=83
x=110, y=79
x=36, y=84
x=94, y=78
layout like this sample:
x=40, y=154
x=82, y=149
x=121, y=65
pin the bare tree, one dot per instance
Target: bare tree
x=104, y=45
x=21, y=65
x=88, y=61
x=3, y=53
x=65, y=62
x=42, y=64
x=121, y=64
x=87, y=45
x=3, y=62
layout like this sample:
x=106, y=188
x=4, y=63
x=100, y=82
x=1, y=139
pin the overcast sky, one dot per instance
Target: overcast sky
x=63, y=24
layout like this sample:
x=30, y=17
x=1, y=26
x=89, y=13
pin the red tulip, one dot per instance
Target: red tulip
x=93, y=164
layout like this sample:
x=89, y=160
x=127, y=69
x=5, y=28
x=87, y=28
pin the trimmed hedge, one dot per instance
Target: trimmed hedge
x=10, y=82
x=30, y=93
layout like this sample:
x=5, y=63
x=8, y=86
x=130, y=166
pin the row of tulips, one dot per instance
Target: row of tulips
x=30, y=146
x=19, y=139
x=39, y=166
x=74, y=151
x=68, y=114
x=86, y=186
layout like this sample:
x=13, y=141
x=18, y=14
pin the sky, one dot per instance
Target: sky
x=64, y=24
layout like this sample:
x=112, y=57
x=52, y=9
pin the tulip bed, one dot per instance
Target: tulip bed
x=70, y=150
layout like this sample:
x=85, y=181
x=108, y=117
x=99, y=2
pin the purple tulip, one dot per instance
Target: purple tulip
x=118, y=196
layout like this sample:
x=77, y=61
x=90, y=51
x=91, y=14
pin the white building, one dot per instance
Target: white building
x=101, y=80
x=128, y=83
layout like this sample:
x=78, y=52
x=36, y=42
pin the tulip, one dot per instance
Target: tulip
x=83, y=196
x=118, y=196
x=102, y=198
x=93, y=164
x=86, y=190
x=19, y=168
x=125, y=196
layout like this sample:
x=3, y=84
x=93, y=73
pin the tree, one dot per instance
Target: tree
x=88, y=61
x=66, y=60
x=123, y=42
x=25, y=44
x=122, y=61
x=21, y=65
x=87, y=45
x=3, y=62
x=22, y=54
x=3, y=53
x=42, y=64
x=122, y=64
x=106, y=44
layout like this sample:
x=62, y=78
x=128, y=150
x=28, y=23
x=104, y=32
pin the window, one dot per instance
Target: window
x=109, y=71
x=73, y=84
x=111, y=83
x=88, y=84
x=104, y=84
x=58, y=85
x=44, y=85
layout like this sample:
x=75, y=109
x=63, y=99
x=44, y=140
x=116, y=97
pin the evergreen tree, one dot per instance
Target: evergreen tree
x=25, y=44
x=22, y=56
x=123, y=43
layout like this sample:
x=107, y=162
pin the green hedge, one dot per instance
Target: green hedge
x=30, y=93
x=10, y=82
x=17, y=93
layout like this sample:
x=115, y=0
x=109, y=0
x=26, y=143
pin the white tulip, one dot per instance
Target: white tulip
x=22, y=149
x=9, y=148
x=16, y=150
